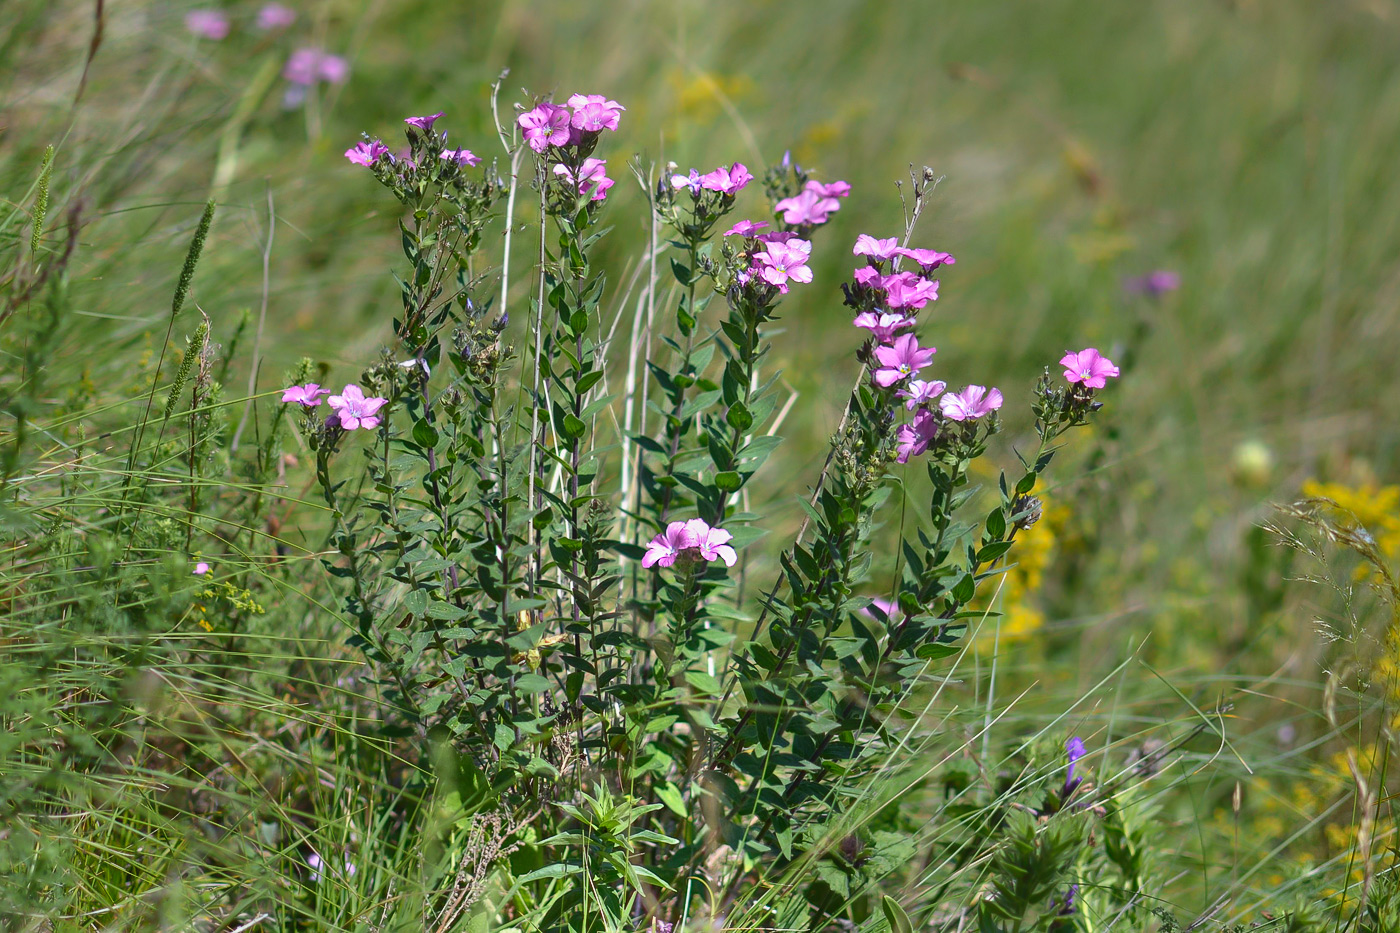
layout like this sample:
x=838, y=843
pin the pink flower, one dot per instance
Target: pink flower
x=275, y=16
x=888, y=610
x=207, y=24
x=914, y=438
x=463, y=157
x=366, y=153
x=868, y=275
x=1089, y=367
x=883, y=326
x=332, y=69
x=667, y=546
x=902, y=360
x=591, y=177
x=1153, y=284
x=867, y=245
x=354, y=410
x=745, y=228
x=691, y=181
x=918, y=392
x=970, y=404
x=928, y=259
x=806, y=208
x=594, y=113
x=836, y=189
x=547, y=125
x=727, y=180
x=782, y=262
x=308, y=396
x=424, y=123
x=907, y=290
x=306, y=66
x=712, y=542
x=201, y=568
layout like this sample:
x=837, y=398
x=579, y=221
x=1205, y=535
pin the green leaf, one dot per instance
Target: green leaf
x=738, y=417
x=728, y=481
x=992, y=551
x=703, y=682
x=588, y=381
x=965, y=589
x=670, y=795
x=424, y=434
x=416, y=601
x=573, y=427
x=895, y=915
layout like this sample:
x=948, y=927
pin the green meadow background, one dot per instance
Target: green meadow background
x=1252, y=147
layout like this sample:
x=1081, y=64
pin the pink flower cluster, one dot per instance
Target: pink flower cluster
x=693, y=540
x=813, y=204
x=725, y=179
x=591, y=176
x=549, y=124
x=352, y=409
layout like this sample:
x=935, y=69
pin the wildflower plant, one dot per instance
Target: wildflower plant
x=557, y=593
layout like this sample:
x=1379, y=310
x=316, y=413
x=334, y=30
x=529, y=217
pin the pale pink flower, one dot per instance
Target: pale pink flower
x=463, y=157
x=712, y=542
x=353, y=410
x=970, y=404
x=888, y=609
x=914, y=438
x=907, y=290
x=332, y=69
x=745, y=228
x=807, y=208
x=1089, y=367
x=275, y=16
x=424, y=123
x=547, y=125
x=918, y=392
x=784, y=262
x=835, y=189
x=928, y=259
x=594, y=113
x=591, y=177
x=883, y=326
x=868, y=275
x=207, y=24
x=308, y=396
x=366, y=153
x=691, y=181
x=867, y=245
x=201, y=568
x=667, y=546
x=901, y=360
x=727, y=180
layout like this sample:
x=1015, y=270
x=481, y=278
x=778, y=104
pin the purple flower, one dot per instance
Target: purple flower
x=332, y=69
x=836, y=189
x=366, y=153
x=1074, y=750
x=691, y=181
x=1070, y=895
x=901, y=360
x=275, y=16
x=928, y=259
x=970, y=404
x=744, y=227
x=424, y=123
x=1154, y=284
x=1089, y=367
x=306, y=66
x=463, y=157
x=919, y=392
x=353, y=410
x=806, y=208
x=914, y=438
x=201, y=568
x=727, y=180
x=307, y=396
x=667, y=546
x=547, y=125
x=907, y=290
x=594, y=113
x=867, y=245
x=712, y=542
x=207, y=24
x=784, y=262
x=591, y=177
x=882, y=326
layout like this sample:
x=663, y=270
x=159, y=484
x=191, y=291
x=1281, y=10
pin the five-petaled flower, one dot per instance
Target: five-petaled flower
x=901, y=360
x=882, y=326
x=914, y=438
x=353, y=410
x=782, y=262
x=919, y=392
x=591, y=177
x=907, y=290
x=463, y=157
x=807, y=208
x=424, y=123
x=1089, y=367
x=712, y=542
x=727, y=180
x=366, y=153
x=594, y=113
x=867, y=245
x=546, y=125
x=745, y=228
x=970, y=404
x=307, y=396
x=694, y=539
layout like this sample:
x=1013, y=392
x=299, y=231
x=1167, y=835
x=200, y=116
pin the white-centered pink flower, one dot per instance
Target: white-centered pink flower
x=867, y=245
x=1089, y=367
x=919, y=392
x=785, y=262
x=970, y=404
x=544, y=126
x=353, y=410
x=883, y=326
